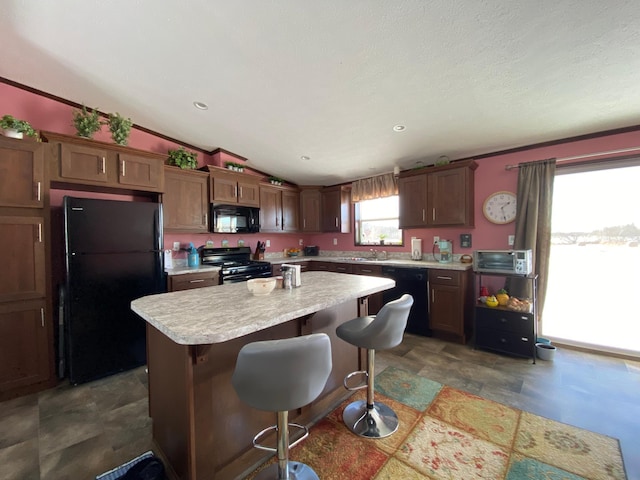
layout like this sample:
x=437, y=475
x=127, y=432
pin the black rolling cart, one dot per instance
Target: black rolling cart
x=505, y=329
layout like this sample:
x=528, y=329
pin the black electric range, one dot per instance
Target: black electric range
x=235, y=263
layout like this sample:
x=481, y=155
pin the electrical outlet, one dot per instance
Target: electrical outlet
x=335, y=241
x=300, y=242
x=512, y=239
x=176, y=246
x=436, y=240
x=268, y=243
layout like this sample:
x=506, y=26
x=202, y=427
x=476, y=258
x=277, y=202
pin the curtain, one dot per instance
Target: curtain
x=379, y=186
x=533, y=224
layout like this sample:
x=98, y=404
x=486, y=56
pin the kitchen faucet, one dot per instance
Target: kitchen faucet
x=374, y=253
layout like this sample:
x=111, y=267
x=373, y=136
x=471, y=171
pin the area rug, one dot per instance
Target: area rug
x=446, y=433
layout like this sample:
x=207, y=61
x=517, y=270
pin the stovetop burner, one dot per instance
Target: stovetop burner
x=235, y=262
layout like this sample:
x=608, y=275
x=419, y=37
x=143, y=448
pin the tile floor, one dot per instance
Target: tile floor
x=78, y=432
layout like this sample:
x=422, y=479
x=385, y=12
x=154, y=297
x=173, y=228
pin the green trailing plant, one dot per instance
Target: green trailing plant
x=183, y=158
x=8, y=122
x=234, y=166
x=275, y=180
x=86, y=123
x=119, y=127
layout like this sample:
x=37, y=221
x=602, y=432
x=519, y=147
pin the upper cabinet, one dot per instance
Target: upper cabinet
x=438, y=196
x=336, y=208
x=22, y=173
x=279, y=210
x=89, y=162
x=185, y=202
x=310, y=209
x=233, y=188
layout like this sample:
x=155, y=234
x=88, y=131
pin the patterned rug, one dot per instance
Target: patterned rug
x=450, y=434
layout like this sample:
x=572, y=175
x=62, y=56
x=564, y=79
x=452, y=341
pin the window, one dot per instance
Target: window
x=377, y=222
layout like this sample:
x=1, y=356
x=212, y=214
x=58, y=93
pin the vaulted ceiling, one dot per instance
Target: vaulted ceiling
x=328, y=80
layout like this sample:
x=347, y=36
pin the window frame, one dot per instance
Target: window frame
x=357, y=226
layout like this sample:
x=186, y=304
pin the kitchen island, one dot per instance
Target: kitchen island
x=200, y=426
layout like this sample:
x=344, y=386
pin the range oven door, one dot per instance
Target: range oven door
x=243, y=277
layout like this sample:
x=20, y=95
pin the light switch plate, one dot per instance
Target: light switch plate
x=512, y=239
x=465, y=240
x=176, y=246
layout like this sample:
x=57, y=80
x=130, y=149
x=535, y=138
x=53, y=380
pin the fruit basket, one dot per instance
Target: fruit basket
x=518, y=305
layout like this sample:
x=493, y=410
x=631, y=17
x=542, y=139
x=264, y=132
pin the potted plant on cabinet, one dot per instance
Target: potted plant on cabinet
x=382, y=236
x=275, y=180
x=183, y=158
x=86, y=123
x=119, y=127
x=14, y=128
x=236, y=167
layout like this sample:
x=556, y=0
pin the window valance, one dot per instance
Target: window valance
x=374, y=187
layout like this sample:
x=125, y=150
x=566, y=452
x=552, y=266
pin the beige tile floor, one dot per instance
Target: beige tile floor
x=78, y=432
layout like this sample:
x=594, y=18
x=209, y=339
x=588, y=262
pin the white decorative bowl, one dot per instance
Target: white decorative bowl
x=261, y=286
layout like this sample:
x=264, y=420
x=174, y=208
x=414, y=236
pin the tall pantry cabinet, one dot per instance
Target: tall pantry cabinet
x=26, y=329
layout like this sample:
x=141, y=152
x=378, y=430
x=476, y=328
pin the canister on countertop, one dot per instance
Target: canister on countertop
x=287, y=279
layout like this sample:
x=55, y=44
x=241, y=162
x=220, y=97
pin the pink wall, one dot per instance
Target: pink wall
x=491, y=176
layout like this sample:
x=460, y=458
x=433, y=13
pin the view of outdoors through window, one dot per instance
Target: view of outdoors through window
x=595, y=258
x=377, y=222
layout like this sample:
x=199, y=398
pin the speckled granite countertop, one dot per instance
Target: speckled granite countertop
x=185, y=270
x=395, y=262
x=217, y=314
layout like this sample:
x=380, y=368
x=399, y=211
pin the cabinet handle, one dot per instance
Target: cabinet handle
x=196, y=281
x=205, y=219
x=123, y=168
x=366, y=270
x=38, y=191
x=423, y=214
x=240, y=192
x=444, y=278
x=103, y=168
x=433, y=215
x=235, y=191
x=304, y=223
x=277, y=222
x=433, y=295
x=336, y=222
x=39, y=233
x=42, y=317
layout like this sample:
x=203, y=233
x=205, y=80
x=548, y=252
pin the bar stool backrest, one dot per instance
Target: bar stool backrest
x=387, y=329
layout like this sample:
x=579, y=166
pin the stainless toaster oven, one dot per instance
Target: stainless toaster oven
x=509, y=262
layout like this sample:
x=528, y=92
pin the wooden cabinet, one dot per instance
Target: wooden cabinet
x=22, y=256
x=233, y=188
x=279, y=211
x=25, y=346
x=375, y=301
x=451, y=303
x=21, y=173
x=188, y=281
x=100, y=164
x=185, y=202
x=438, y=196
x=336, y=208
x=311, y=209
x=504, y=330
x=320, y=266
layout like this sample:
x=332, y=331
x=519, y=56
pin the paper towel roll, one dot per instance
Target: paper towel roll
x=416, y=248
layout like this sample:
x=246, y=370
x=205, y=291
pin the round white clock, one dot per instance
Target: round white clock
x=500, y=207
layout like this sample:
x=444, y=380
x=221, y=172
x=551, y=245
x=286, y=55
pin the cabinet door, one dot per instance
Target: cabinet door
x=22, y=256
x=224, y=189
x=79, y=162
x=412, y=193
x=138, y=171
x=310, y=210
x=270, y=209
x=248, y=193
x=335, y=210
x=448, y=198
x=375, y=300
x=446, y=309
x=189, y=281
x=290, y=211
x=21, y=173
x=24, y=349
x=185, y=202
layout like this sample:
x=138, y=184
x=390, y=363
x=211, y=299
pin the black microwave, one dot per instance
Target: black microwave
x=234, y=219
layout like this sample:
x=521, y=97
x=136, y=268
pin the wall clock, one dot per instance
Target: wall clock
x=500, y=207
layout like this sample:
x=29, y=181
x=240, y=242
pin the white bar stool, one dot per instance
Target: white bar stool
x=374, y=332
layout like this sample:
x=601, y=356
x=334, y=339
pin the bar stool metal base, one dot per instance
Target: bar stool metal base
x=297, y=471
x=377, y=422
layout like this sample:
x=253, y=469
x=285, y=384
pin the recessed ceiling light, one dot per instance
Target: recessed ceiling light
x=201, y=105
x=399, y=128
x=305, y=158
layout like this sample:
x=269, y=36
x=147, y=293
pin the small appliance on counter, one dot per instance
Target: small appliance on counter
x=519, y=262
x=416, y=248
x=444, y=251
x=295, y=273
x=311, y=251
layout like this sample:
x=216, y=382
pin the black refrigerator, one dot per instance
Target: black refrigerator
x=113, y=255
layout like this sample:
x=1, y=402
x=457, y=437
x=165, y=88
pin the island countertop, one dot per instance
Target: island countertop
x=217, y=314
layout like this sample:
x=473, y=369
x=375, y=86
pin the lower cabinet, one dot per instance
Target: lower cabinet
x=188, y=281
x=505, y=331
x=451, y=303
x=375, y=300
x=25, y=348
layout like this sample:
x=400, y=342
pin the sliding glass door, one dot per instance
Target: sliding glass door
x=594, y=275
